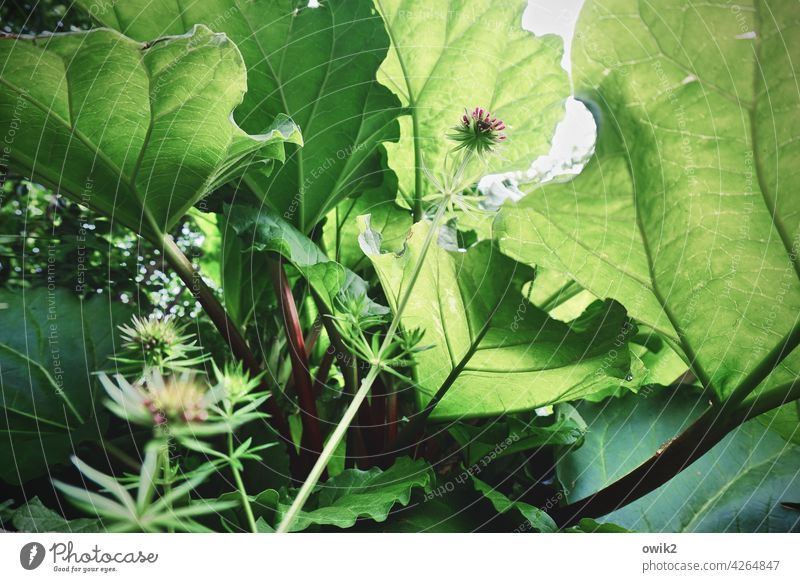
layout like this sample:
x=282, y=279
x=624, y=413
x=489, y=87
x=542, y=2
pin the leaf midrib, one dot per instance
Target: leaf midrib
x=648, y=286
x=749, y=107
x=73, y=130
x=298, y=154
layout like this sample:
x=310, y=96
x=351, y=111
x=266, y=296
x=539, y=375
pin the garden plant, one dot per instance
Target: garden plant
x=252, y=277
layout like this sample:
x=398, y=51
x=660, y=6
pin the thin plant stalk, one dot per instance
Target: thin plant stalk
x=219, y=317
x=166, y=472
x=237, y=477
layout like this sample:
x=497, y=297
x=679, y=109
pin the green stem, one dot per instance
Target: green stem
x=166, y=472
x=237, y=477
x=366, y=384
x=417, y=167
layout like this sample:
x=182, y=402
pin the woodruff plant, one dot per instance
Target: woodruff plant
x=180, y=409
x=159, y=343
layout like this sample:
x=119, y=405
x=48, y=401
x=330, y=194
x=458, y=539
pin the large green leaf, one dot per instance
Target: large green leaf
x=456, y=54
x=48, y=352
x=587, y=525
x=433, y=516
x=525, y=359
x=246, y=290
x=655, y=361
x=139, y=132
x=737, y=486
x=784, y=420
x=587, y=229
x=678, y=106
x=317, y=65
x=516, y=436
x=354, y=494
x=51, y=343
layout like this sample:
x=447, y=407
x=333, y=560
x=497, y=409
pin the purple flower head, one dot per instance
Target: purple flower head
x=479, y=131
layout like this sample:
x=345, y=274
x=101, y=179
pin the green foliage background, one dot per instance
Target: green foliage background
x=297, y=159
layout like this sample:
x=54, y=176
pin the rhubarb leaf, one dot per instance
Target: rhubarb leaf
x=317, y=65
x=523, y=359
x=138, y=132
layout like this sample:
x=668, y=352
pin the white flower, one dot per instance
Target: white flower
x=158, y=400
